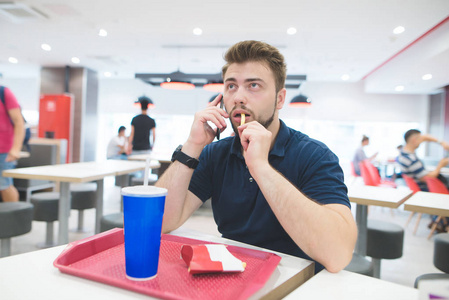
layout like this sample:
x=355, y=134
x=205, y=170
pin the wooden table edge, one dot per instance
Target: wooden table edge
x=291, y=284
x=426, y=210
x=6, y=173
x=381, y=203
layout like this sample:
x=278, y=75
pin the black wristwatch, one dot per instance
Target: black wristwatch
x=183, y=158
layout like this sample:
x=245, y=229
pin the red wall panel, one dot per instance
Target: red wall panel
x=56, y=118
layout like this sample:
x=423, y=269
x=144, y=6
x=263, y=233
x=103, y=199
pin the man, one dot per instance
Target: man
x=12, y=133
x=141, y=125
x=270, y=185
x=360, y=155
x=411, y=165
x=117, y=145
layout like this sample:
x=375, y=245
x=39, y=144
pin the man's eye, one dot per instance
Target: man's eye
x=254, y=85
x=231, y=86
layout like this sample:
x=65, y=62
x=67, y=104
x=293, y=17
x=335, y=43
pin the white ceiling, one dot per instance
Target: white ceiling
x=334, y=37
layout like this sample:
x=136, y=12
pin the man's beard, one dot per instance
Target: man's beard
x=265, y=123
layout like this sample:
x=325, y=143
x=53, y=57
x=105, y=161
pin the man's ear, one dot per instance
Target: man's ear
x=281, y=98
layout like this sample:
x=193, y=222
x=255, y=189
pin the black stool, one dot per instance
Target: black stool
x=440, y=259
x=15, y=219
x=359, y=264
x=83, y=196
x=384, y=241
x=46, y=210
x=111, y=221
x=122, y=180
x=152, y=179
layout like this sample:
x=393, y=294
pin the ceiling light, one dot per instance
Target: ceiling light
x=291, y=31
x=46, y=47
x=398, y=30
x=214, y=87
x=427, y=77
x=201, y=79
x=197, y=31
x=177, y=85
x=76, y=60
x=399, y=88
x=107, y=74
x=13, y=60
x=300, y=101
x=103, y=32
x=345, y=77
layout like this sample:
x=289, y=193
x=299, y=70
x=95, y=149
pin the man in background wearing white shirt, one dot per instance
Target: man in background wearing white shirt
x=117, y=145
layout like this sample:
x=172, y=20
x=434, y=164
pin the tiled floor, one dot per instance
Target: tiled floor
x=416, y=260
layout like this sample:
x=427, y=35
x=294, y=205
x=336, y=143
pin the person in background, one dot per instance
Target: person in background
x=360, y=155
x=270, y=185
x=412, y=166
x=117, y=145
x=141, y=126
x=12, y=133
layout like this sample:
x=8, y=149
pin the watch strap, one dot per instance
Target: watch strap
x=185, y=159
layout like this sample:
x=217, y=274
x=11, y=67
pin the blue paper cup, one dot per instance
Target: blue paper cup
x=143, y=209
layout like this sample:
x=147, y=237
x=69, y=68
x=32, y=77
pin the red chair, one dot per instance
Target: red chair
x=374, y=173
x=436, y=186
x=367, y=179
x=414, y=187
x=353, y=173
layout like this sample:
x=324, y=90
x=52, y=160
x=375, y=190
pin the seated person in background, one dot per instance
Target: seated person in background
x=412, y=166
x=270, y=186
x=360, y=155
x=117, y=145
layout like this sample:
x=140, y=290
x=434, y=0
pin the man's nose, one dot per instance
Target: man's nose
x=240, y=97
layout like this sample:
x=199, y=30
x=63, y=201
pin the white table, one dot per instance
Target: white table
x=351, y=286
x=77, y=173
x=365, y=195
x=429, y=203
x=33, y=276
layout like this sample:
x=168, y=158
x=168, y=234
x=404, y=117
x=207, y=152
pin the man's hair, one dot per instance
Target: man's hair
x=365, y=138
x=409, y=133
x=121, y=128
x=144, y=101
x=256, y=51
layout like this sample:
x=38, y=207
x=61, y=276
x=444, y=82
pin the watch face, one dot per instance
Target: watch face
x=177, y=150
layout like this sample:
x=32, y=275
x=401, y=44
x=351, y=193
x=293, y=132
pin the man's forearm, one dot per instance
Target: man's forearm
x=176, y=180
x=325, y=234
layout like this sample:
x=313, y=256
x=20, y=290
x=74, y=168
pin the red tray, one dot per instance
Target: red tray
x=102, y=258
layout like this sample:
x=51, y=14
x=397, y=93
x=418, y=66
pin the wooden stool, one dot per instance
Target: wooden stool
x=15, y=220
x=46, y=210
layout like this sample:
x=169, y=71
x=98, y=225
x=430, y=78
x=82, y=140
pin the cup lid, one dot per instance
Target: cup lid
x=143, y=191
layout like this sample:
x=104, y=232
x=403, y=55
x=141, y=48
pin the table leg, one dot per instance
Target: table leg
x=99, y=204
x=64, y=212
x=361, y=218
x=125, y=183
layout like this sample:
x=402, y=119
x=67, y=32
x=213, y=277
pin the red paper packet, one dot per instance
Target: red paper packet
x=210, y=258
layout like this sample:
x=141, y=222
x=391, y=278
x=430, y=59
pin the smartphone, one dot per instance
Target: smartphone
x=218, y=129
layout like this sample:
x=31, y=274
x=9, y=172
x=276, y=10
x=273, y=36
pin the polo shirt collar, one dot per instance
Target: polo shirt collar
x=279, y=145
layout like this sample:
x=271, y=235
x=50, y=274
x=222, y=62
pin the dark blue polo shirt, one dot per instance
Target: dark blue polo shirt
x=240, y=209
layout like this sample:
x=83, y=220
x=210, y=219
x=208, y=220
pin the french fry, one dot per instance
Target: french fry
x=242, y=120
